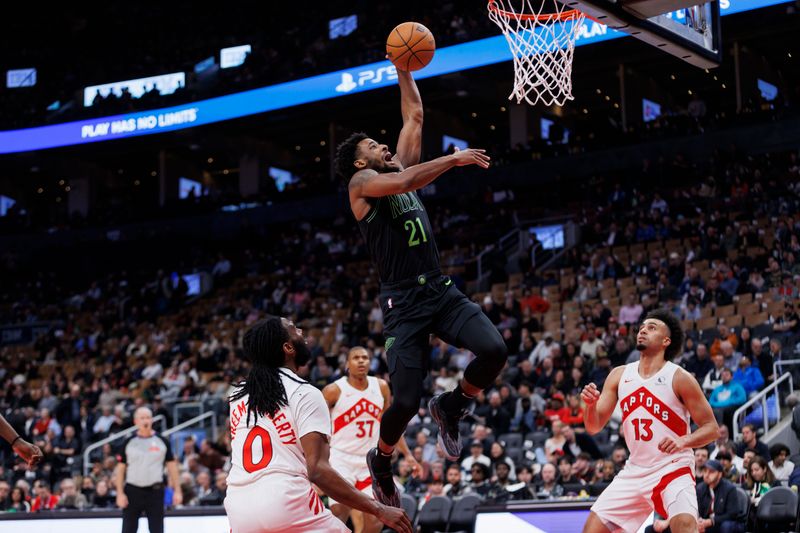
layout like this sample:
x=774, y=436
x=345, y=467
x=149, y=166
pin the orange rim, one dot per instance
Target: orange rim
x=552, y=17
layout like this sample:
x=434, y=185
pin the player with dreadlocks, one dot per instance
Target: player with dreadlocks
x=280, y=428
x=657, y=398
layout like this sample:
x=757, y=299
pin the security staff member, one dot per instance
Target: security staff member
x=140, y=476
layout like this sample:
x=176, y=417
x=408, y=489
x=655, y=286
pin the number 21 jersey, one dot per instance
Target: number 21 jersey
x=356, y=417
x=651, y=411
x=399, y=237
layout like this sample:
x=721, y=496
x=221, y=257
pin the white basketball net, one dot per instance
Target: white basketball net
x=542, y=40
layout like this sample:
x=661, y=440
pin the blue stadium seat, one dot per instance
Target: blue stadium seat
x=776, y=510
x=462, y=517
x=435, y=515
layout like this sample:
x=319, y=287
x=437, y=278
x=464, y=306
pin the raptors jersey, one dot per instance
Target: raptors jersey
x=356, y=417
x=271, y=447
x=650, y=412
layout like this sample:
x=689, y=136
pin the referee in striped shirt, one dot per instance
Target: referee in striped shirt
x=140, y=476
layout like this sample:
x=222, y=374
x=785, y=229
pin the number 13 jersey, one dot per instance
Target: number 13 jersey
x=356, y=417
x=651, y=411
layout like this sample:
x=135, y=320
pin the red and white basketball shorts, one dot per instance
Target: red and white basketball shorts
x=637, y=491
x=354, y=470
x=279, y=504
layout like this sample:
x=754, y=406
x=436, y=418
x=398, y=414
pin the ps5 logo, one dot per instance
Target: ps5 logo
x=371, y=76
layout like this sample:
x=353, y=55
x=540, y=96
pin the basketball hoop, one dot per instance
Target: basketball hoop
x=542, y=41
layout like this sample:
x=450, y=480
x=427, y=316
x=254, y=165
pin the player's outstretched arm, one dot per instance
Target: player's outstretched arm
x=690, y=393
x=409, y=145
x=29, y=452
x=369, y=183
x=600, y=406
x=316, y=449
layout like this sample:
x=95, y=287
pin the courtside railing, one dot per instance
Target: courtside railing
x=762, y=399
x=777, y=369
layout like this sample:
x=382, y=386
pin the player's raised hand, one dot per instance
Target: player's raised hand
x=590, y=394
x=395, y=518
x=472, y=156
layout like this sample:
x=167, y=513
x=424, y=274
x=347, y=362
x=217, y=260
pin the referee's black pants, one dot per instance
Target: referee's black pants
x=151, y=501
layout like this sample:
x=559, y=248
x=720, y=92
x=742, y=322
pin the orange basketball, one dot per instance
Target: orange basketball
x=410, y=46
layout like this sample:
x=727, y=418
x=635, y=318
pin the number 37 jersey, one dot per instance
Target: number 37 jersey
x=356, y=417
x=652, y=411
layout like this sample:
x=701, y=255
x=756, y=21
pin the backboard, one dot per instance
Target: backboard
x=682, y=28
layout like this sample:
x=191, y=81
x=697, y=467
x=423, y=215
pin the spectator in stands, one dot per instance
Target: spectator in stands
x=731, y=357
x=730, y=471
x=575, y=416
x=724, y=333
x=5, y=495
x=780, y=464
x=717, y=504
x=579, y=443
x=456, y=487
x=102, y=498
x=726, y=398
x=761, y=357
x=699, y=364
x=566, y=471
x=601, y=369
x=716, y=296
x=542, y=350
x=45, y=423
x=631, y=311
x=525, y=419
x=750, y=441
x=428, y=448
x=748, y=376
x=713, y=377
x=547, y=486
x=700, y=460
x=44, y=500
x=204, y=488
x=553, y=446
x=556, y=408
x=590, y=344
x=546, y=377
x=497, y=453
x=582, y=468
x=502, y=474
x=619, y=457
x=494, y=414
x=66, y=447
x=70, y=498
x=479, y=480
x=18, y=501
x=435, y=488
x=758, y=480
x=476, y=456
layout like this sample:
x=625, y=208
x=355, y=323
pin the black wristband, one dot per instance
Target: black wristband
x=15, y=440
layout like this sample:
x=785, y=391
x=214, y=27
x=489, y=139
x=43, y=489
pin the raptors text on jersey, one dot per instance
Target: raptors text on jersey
x=356, y=417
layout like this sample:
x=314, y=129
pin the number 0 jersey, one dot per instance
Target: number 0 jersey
x=356, y=417
x=399, y=237
x=651, y=411
x=272, y=445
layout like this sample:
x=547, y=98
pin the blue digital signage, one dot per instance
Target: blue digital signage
x=334, y=84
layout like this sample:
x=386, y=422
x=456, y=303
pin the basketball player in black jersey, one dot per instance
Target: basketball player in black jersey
x=415, y=297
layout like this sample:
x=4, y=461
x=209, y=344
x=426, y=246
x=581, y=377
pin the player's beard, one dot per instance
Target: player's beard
x=302, y=353
x=641, y=347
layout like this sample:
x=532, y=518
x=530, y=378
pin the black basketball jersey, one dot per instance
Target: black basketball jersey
x=399, y=237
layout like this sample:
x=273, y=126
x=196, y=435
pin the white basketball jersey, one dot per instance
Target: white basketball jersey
x=356, y=417
x=650, y=412
x=272, y=445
